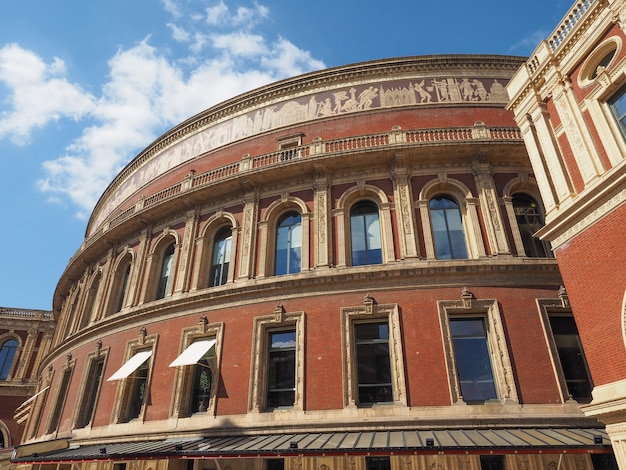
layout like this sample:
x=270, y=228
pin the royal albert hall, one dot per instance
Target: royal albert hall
x=334, y=271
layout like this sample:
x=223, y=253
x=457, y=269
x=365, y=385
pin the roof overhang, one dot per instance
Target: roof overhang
x=407, y=442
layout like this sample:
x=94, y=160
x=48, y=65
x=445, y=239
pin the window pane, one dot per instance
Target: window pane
x=138, y=394
x=473, y=362
x=166, y=274
x=288, y=244
x=572, y=357
x=281, y=372
x=378, y=463
x=529, y=220
x=221, y=257
x=618, y=106
x=7, y=353
x=365, y=234
x=91, y=392
x=124, y=288
x=373, y=362
x=447, y=227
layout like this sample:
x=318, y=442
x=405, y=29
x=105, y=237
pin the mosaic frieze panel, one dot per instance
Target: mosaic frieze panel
x=328, y=103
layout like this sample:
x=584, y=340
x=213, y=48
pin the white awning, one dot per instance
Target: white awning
x=193, y=353
x=131, y=365
x=35, y=395
x=22, y=412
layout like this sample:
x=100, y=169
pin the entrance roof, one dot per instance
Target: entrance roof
x=450, y=441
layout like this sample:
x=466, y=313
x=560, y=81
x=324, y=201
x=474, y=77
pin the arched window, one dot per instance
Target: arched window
x=7, y=354
x=447, y=224
x=288, y=244
x=166, y=272
x=529, y=220
x=89, y=304
x=221, y=257
x=123, y=287
x=365, y=234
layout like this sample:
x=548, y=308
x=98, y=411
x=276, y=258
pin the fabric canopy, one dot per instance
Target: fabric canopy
x=131, y=365
x=193, y=353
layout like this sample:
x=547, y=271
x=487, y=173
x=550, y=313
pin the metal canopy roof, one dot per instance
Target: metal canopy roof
x=525, y=440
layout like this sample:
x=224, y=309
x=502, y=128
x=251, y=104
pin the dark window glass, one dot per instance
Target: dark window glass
x=221, y=257
x=166, y=272
x=365, y=234
x=492, y=462
x=91, y=392
x=91, y=297
x=618, y=106
x=473, y=362
x=124, y=288
x=60, y=403
x=529, y=220
x=202, y=383
x=139, y=382
x=377, y=463
x=281, y=371
x=373, y=362
x=7, y=353
x=604, y=462
x=275, y=464
x=288, y=244
x=571, y=357
x=447, y=225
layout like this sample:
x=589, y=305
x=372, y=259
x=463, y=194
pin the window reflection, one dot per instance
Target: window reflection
x=447, y=226
x=365, y=234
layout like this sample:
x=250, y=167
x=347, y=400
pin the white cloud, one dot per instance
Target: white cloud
x=243, y=17
x=240, y=43
x=147, y=91
x=38, y=93
x=528, y=44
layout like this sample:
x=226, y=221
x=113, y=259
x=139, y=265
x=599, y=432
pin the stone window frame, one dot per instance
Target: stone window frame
x=155, y=265
x=469, y=215
x=590, y=69
x=92, y=289
x=67, y=370
x=607, y=83
x=527, y=186
x=124, y=389
x=370, y=311
x=183, y=376
x=3, y=339
x=501, y=364
x=267, y=234
x=363, y=193
x=124, y=263
x=204, y=249
x=279, y=320
x=91, y=358
x=558, y=306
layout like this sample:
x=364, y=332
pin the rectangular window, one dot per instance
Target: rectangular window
x=275, y=464
x=90, y=394
x=60, y=402
x=137, y=397
x=618, y=106
x=492, y=462
x=281, y=369
x=377, y=463
x=373, y=362
x=472, y=358
x=571, y=357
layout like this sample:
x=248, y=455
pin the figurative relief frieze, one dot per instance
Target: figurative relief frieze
x=352, y=99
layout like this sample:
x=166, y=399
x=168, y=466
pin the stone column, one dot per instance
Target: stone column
x=491, y=209
x=248, y=238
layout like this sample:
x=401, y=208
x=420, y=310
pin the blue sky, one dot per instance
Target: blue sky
x=85, y=85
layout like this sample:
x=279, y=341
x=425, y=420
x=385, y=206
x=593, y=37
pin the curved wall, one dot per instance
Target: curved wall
x=366, y=216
